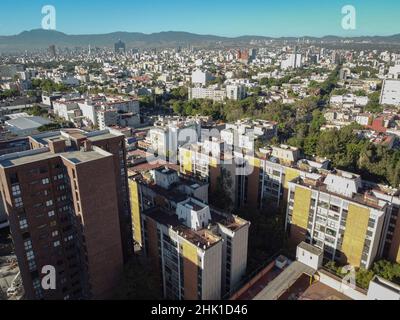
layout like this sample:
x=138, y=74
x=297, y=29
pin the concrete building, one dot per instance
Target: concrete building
x=7, y=147
x=170, y=133
x=235, y=92
x=63, y=213
x=349, y=101
x=310, y=255
x=286, y=154
x=390, y=92
x=201, y=78
x=211, y=93
x=332, y=213
x=119, y=47
x=199, y=252
x=293, y=61
x=25, y=126
x=99, y=111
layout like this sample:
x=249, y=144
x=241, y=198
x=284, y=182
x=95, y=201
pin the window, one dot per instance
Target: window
x=49, y=203
x=18, y=202
x=28, y=245
x=69, y=238
x=45, y=181
x=16, y=190
x=23, y=224
x=37, y=287
x=32, y=265
x=56, y=244
x=54, y=234
x=51, y=213
x=30, y=255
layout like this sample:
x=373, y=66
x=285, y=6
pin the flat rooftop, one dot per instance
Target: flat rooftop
x=231, y=222
x=319, y=291
x=203, y=239
x=311, y=248
x=22, y=158
x=102, y=137
x=320, y=186
x=66, y=134
x=278, y=286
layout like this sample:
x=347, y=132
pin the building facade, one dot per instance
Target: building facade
x=64, y=214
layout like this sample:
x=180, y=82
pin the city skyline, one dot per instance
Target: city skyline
x=230, y=19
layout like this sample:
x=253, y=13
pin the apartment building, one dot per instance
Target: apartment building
x=218, y=94
x=235, y=92
x=7, y=147
x=201, y=78
x=99, y=111
x=390, y=94
x=293, y=61
x=335, y=214
x=211, y=93
x=170, y=133
x=199, y=253
x=64, y=214
x=244, y=133
x=349, y=101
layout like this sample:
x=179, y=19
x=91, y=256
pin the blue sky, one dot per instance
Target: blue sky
x=219, y=17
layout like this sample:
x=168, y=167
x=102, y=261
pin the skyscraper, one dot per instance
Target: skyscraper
x=120, y=47
x=52, y=51
x=65, y=199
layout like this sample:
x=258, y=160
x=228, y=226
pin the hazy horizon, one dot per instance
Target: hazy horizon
x=224, y=18
x=202, y=34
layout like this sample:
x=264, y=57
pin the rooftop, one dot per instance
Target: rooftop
x=30, y=156
x=203, y=239
x=26, y=123
x=310, y=248
x=365, y=198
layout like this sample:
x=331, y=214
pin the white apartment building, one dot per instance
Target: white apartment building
x=349, y=100
x=235, y=92
x=293, y=61
x=394, y=72
x=99, y=110
x=390, y=92
x=170, y=133
x=210, y=93
x=201, y=78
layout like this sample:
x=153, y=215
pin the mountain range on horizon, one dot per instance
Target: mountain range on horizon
x=41, y=39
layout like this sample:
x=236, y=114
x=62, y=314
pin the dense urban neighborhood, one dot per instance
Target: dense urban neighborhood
x=214, y=169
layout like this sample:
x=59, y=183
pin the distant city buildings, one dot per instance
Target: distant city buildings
x=52, y=51
x=293, y=61
x=120, y=47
